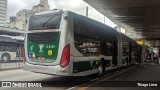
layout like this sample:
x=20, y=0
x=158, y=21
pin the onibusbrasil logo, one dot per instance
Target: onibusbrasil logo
x=21, y=84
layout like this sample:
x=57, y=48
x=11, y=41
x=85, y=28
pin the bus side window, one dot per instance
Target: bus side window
x=105, y=48
x=86, y=45
x=87, y=49
x=85, y=38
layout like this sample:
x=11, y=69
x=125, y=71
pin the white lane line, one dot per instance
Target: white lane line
x=71, y=88
x=94, y=79
x=77, y=85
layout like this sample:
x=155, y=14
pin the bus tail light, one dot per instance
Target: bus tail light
x=65, y=57
x=24, y=56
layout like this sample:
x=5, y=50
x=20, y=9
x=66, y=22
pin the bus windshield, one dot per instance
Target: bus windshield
x=45, y=21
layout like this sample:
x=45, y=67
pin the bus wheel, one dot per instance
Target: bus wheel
x=101, y=68
x=5, y=57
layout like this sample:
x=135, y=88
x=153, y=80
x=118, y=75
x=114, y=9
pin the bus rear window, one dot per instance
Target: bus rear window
x=43, y=37
x=45, y=21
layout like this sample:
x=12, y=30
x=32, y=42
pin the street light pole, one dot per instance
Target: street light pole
x=86, y=11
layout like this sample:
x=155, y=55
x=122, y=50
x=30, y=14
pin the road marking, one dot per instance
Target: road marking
x=94, y=79
x=71, y=88
x=78, y=85
x=98, y=81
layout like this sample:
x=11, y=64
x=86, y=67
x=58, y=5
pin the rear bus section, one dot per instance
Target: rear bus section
x=46, y=50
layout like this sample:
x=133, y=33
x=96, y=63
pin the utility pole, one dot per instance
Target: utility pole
x=86, y=11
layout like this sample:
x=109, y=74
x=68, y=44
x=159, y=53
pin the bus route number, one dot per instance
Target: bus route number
x=50, y=46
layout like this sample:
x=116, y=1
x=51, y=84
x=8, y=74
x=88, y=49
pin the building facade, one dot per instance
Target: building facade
x=3, y=12
x=12, y=19
x=23, y=15
x=12, y=22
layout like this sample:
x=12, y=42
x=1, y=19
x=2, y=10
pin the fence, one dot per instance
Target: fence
x=14, y=65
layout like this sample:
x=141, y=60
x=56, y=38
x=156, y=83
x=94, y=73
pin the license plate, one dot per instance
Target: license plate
x=41, y=58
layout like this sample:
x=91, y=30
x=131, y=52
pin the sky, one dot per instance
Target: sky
x=78, y=6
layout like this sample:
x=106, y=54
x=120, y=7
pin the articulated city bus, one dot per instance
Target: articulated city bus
x=64, y=43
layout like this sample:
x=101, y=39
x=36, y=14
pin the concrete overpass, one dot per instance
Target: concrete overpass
x=141, y=16
x=10, y=31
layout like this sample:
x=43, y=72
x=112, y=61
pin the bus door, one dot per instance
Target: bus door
x=115, y=53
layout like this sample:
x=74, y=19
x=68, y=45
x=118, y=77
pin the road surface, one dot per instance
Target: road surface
x=149, y=72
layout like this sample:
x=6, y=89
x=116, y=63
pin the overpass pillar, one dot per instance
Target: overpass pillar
x=120, y=47
x=143, y=53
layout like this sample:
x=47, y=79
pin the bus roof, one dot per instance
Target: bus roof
x=7, y=38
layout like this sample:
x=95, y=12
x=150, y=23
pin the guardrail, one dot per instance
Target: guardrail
x=13, y=64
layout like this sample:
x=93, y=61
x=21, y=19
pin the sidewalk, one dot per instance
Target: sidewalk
x=145, y=72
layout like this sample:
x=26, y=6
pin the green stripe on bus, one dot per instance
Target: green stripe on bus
x=85, y=65
x=88, y=65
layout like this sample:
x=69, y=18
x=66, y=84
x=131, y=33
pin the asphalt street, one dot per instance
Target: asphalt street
x=61, y=81
x=147, y=72
x=139, y=74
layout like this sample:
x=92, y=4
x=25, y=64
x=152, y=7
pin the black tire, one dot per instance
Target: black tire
x=5, y=57
x=101, y=68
